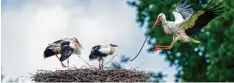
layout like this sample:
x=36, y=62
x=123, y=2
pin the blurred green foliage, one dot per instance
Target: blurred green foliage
x=156, y=77
x=209, y=61
x=121, y=63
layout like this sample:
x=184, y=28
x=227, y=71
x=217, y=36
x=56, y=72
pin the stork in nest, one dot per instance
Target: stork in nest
x=66, y=47
x=100, y=52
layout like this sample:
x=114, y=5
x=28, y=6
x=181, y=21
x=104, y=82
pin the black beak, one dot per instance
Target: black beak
x=113, y=45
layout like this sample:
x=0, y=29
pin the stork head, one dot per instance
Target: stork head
x=112, y=49
x=77, y=43
x=160, y=17
x=113, y=45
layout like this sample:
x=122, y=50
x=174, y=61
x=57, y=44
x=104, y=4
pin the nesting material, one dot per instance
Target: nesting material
x=90, y=75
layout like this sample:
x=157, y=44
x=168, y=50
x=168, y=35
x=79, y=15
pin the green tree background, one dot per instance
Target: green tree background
x=209, y=61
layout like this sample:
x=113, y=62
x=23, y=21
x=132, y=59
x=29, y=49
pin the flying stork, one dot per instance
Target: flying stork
x=187, y=22
x=100, y=52
x=66, y=47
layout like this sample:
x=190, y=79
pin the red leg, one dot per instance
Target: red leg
x=158, y=47
x=68, y=62
x=102, y=63
x=99, y=64
x=60, y=61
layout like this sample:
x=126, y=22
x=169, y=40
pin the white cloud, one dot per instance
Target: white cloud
x=27, y=30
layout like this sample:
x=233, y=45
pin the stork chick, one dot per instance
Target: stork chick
x=100, y=52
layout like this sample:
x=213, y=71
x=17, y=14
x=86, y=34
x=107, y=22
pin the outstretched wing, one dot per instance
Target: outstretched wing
x=202, y=17
x=60, y=41
x=182, y=11
x=66, y=52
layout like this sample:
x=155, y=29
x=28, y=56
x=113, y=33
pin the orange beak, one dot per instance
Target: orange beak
x=78, y=44
x=156, y=22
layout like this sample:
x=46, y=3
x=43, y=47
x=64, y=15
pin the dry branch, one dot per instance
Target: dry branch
x=90, y=75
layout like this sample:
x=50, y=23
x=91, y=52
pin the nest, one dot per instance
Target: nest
x=90, y=75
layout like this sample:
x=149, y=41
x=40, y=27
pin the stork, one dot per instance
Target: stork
x=187, y=22
x=100, y=52
x=66, y=47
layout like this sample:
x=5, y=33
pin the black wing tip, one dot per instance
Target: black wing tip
x=213, y=7
x=212, y=10
x=62, y=58
x=92, y=57
x=48, y=52
x=66, y=52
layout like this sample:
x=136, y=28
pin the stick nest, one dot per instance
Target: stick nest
x=90, y=75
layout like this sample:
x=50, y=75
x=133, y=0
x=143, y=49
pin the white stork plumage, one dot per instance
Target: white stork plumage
x=66, y=47
x=100, y=52
x=187, y=22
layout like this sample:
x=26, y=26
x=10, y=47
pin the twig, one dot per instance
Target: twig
x=83, y=66
x=90, y=75
x=111, y=59
x=84, y=61
x=142, y=45
x=147, y=37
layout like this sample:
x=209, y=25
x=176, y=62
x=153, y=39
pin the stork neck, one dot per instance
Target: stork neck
x=112, y=50
x=163, y=21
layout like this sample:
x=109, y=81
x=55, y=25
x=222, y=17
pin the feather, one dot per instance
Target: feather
x=100, y=51
x=105, y=50
x=184, y=10
x=66, y=52
x=190, y=22
x=202, y=17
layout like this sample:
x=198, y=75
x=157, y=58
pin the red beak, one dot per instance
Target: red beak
x=157, y=22
x=78, y=44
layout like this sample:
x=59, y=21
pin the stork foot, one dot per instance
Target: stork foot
x=158, y=47
x=100, y=67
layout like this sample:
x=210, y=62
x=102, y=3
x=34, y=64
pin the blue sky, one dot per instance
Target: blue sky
x=28, y=26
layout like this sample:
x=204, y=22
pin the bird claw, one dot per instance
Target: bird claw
x=169, y=47
x=156, y=49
